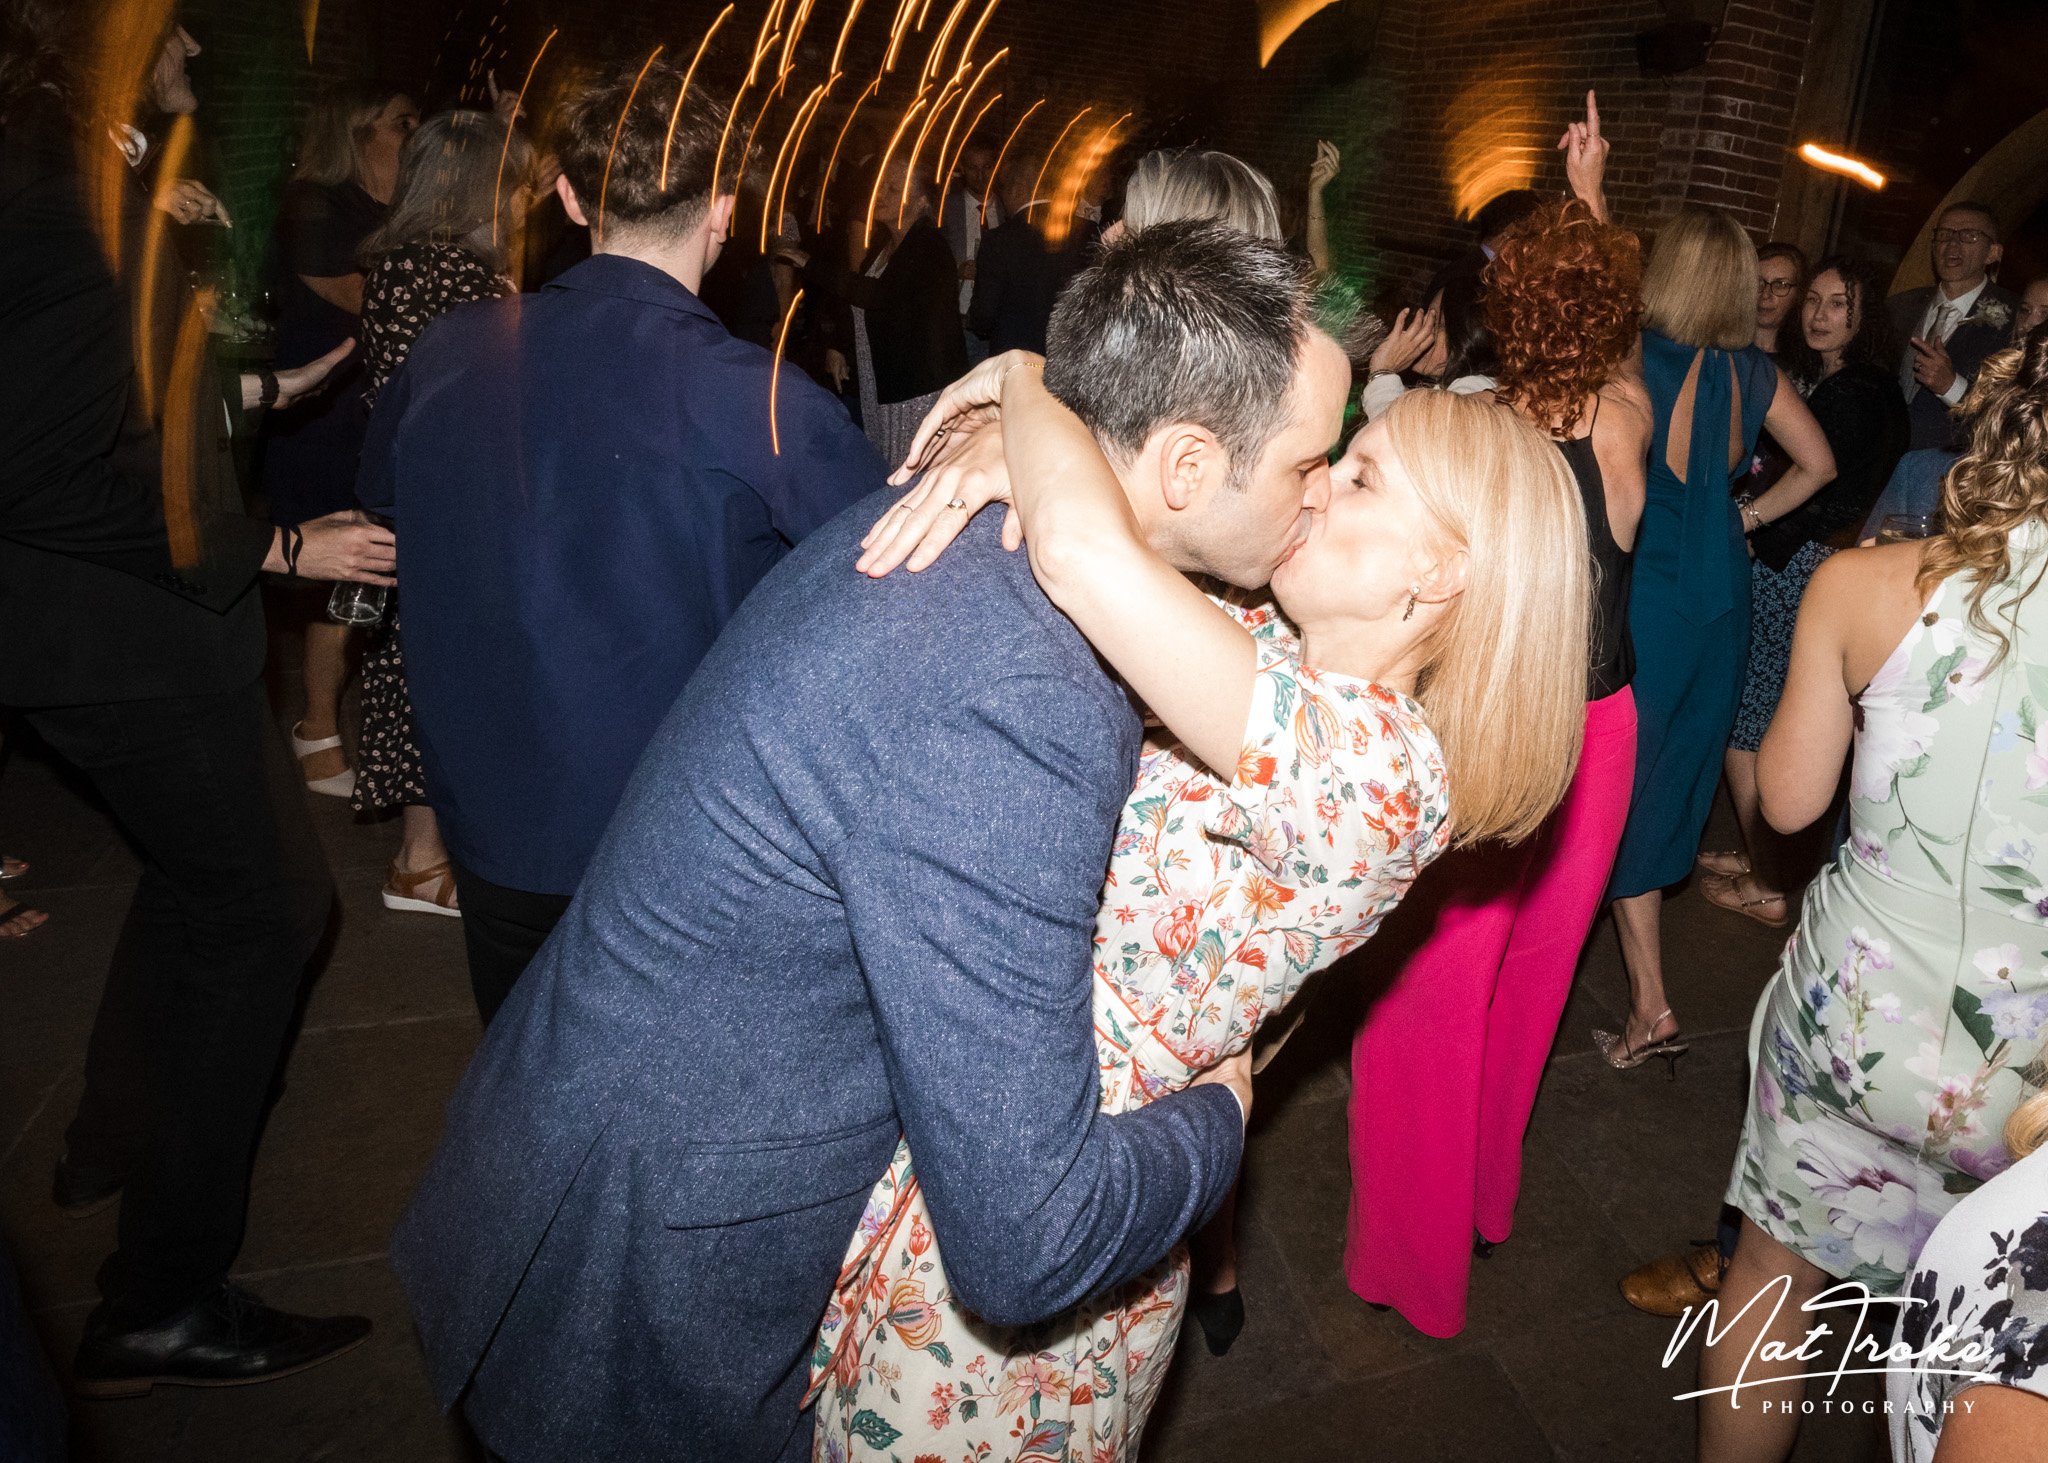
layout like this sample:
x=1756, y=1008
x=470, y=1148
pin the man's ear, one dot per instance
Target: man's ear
x=1190, y=458
x=1991, y=259
x=570, y=204
x=721, y=212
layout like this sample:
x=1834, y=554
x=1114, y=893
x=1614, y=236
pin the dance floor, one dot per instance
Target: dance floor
x=1553, y=1364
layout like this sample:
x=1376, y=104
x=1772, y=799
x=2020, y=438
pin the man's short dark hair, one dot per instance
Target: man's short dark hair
x=634, y=192
x=1183, y=322
x=1504, y=210
x=1971, y=205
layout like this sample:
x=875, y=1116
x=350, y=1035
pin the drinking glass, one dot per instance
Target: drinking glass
x=357, y=604
x=1898, y=527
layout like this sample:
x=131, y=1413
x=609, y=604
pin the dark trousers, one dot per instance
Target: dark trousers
x=206, y=976
x=503, y=930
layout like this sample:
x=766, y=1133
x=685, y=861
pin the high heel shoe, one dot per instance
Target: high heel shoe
x=1615, y=1047
x=341, y=784
x=1221, y=1317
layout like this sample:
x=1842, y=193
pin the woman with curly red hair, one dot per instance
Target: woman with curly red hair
x=1446, y=1066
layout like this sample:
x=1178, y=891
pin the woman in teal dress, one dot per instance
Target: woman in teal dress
x=1711, y=391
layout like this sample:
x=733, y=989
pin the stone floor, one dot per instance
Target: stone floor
x=1552, y=1365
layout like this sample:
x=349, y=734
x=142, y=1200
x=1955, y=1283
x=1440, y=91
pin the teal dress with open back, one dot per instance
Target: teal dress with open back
x=1689, y=604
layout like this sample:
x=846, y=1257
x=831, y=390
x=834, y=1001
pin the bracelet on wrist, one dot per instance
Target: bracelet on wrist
x=266, y=387
x=294, y=541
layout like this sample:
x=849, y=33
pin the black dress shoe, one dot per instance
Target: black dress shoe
x=80, y=1192
x=230, y=1339
x=1221, y=1317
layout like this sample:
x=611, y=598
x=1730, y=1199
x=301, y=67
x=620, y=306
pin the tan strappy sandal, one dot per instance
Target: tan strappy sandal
x=1724, y=893
x=402, y=890
x=1614, y=1046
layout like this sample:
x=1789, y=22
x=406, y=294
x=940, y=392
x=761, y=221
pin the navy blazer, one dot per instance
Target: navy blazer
x=586, y=487
x=1930, y=418
x=850, y=893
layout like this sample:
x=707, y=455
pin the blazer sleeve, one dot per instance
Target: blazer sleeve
x=972, y=903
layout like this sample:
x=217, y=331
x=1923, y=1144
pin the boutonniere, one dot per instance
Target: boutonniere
x=1990, y=312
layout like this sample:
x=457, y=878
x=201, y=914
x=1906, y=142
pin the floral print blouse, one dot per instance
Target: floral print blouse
x=1223, y=896
x=408, y=289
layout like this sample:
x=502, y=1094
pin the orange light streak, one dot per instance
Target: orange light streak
x=1814, y=155
x=832, y=165
x=775, y=371
x=938, y=52
x=604, y=185
x=922, y=11
x=180, y=455
x=802, y=120
x=845, y=28
x=867, y=233
x=1066, y=203
x=967, y=51
x=177, y=145
x=763, y=42
x=498, y=187
x=1003, y=153
x=946, y=183
x=803, y=134
x=796, y=28
x=683, y=91
x=946, y=146
x=897, y=30
x=747, y=152
x=910, y=168
x=1040, y=179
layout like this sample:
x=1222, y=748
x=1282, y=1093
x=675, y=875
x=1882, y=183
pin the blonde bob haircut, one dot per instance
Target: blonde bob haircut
x=1212, y=187
x=337, y=125
x=1699, y=287
x=1503, y=682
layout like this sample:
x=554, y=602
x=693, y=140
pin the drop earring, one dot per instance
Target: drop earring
x=1414, y=593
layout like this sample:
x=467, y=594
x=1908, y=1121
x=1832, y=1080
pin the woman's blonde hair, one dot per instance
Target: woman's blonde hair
x=1211, y=186
x=1504, y=681
x=1998, y=484
x=337, y=124
x=1699, y=287
x=458, y=183
x=2027, y=1129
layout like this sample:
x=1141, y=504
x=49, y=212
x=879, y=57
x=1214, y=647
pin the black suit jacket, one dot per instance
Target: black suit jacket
x=913, y=314
x=1968, y=344
x=1018, y=279
x=127, y=564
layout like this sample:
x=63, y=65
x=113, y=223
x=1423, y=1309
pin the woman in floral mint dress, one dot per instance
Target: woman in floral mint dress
x=1228, y=888
x=1907, y=1017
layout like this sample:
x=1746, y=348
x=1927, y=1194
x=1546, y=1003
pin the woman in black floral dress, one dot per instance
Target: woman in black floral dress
x=447, y=242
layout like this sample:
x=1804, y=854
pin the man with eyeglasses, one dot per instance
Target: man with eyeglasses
x=1952, y=325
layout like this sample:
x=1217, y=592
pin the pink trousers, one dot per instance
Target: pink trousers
x=1445, y=1067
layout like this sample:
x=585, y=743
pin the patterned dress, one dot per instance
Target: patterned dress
x=404, y=292
x=1905, y=1022
x=1980, y=1294
x=1222, y=898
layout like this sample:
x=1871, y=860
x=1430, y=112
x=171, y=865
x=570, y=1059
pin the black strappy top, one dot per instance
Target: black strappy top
x=1614, y=657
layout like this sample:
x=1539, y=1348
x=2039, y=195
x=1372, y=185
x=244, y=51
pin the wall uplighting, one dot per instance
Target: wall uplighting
x=1835, y=162
x=1279, y=19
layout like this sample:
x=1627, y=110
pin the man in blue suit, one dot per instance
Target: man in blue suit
x=851, y=893
x=587, y=482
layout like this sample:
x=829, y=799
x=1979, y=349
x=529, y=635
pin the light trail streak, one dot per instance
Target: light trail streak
x=604, y=185
x=775, y=371
x=796, y=28
x=1003, y=153
x=910, y=168
x=1067, y=197
x=946, y=146
x=177, y=146
x=498, y=187
x=938, y=51
x=1838, y=162
x=832, y=165
x=946, y=184
x=867, y=233
x=746, y=160
x=668, y=141
x=897, y=30
x=967, y=51
x=802, y=120
x=1038, y=181
x=763, y=42
x=845, y=28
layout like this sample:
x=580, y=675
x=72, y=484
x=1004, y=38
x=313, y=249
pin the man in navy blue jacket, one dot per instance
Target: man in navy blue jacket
x=587, y=483
x=850, y=894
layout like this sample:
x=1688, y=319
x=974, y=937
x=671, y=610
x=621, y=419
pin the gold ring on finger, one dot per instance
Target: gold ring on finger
x=956, y=503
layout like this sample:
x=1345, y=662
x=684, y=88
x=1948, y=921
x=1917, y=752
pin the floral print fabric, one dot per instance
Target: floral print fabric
x=1979, y=1307
x=1223, y=897
x=1906, y=1019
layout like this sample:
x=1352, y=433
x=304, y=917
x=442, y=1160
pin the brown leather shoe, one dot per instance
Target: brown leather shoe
x=1670, y=1283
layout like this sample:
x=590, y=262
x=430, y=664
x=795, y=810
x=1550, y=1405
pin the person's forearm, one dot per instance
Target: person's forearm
x=1188, y=660
x=1318, y=234
x=1788, y=492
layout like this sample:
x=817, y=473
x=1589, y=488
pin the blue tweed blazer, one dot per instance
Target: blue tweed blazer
x=850, y=893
